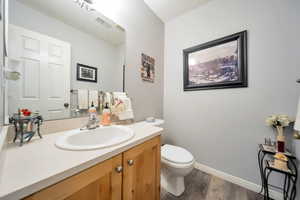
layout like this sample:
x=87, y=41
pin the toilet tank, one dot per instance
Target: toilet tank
x=159, y=123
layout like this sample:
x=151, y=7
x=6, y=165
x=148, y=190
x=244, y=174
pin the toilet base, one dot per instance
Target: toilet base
x=172, y=184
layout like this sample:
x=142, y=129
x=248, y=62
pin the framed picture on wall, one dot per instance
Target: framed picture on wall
x=86, y=73
x=147, y=68
x=218, y=64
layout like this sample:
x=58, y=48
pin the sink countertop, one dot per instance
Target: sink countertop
x=40, y=163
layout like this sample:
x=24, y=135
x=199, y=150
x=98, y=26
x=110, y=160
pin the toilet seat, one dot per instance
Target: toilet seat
x=176, y=165
x=176, y=156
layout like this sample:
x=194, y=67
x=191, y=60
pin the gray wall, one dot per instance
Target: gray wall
x=223, y=127
x=85, y=48
x=144, y=34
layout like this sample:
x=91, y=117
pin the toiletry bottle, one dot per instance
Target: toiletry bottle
x=105, y=120
x=92, y=112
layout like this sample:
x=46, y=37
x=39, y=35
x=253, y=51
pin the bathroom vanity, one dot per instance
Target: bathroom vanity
x=127, y=171
x=114, y=178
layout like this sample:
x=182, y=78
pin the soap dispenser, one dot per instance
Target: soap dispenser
x=92, y=112
x=105, y=120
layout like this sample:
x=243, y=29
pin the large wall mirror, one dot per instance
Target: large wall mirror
x=62, y=50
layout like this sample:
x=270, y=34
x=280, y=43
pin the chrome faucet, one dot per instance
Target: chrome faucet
x=92, y=123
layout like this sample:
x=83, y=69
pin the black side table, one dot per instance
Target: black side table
x=266, y=167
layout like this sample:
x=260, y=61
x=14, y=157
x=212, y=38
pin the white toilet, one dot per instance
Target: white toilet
x=176, y=163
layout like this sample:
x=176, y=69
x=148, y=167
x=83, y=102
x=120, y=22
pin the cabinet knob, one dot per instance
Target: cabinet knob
x=130, y=162
x=119, y=169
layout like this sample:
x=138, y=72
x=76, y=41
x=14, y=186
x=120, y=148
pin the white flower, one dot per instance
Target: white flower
x=271, y=120
x=278, y=120
x=283, y=116
x=284, y=120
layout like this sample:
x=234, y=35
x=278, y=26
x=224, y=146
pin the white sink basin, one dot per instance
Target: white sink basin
x=101, y=137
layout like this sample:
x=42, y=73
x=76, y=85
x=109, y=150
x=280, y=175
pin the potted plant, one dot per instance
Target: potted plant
x=279, y=122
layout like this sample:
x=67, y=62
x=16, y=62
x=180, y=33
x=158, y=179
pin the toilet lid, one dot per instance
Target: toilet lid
x=176, y=154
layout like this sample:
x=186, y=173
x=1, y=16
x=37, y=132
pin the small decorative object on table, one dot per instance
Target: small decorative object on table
x=26, y=125
x=280, y=161
x=279, y=122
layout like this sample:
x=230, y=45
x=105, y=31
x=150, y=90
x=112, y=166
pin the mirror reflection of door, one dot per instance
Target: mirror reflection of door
x=44, y=63
x=47, y=41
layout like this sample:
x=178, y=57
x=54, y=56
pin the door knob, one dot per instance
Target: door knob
x=130, y=162
x=119, y=169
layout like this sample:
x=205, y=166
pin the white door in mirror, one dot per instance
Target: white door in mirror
x=102, y=137
x=44, y=65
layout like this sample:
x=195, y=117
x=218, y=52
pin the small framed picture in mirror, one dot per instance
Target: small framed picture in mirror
x=86, y=73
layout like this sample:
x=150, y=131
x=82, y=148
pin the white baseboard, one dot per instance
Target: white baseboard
x=236, y=180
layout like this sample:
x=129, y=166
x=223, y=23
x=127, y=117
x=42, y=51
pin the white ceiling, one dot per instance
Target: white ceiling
x=70, y=13
x=169, y=9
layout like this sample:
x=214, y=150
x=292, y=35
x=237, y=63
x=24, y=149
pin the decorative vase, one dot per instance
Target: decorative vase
x=280, y=140
x=280, y=143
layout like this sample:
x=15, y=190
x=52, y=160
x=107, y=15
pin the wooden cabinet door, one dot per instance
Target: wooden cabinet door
x=100, y=182
x=141, y=175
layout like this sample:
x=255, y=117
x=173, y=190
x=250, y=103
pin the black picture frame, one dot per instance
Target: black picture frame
x=89, y=69
x=242, y=80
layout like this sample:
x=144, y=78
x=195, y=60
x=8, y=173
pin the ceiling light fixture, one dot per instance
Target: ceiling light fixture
x=85, y=4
